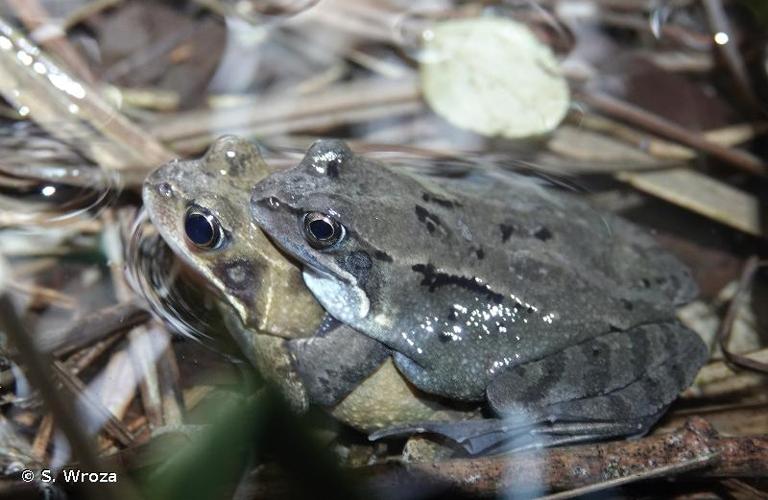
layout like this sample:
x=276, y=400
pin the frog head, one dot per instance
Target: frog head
x=200, y=208
x=336, y=213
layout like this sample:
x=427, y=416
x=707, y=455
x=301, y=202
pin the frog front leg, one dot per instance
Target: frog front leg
x=616, y=384
x=335, y=360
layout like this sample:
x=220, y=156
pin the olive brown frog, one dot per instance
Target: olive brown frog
x=492, y=290
x=201, y=210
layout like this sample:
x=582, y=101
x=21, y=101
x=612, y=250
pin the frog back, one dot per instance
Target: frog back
x=465, y=279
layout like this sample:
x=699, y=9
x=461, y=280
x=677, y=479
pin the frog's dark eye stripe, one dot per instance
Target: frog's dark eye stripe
x=321, y=230
x=202, y=228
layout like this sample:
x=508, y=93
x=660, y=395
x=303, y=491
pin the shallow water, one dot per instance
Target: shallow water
x=142, y=82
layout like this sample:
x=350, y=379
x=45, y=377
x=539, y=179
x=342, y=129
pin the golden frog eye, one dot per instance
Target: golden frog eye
x=321, y=230
x=203, y=229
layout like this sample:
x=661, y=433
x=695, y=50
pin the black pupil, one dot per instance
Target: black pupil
x=321, y=229
x=199, y=229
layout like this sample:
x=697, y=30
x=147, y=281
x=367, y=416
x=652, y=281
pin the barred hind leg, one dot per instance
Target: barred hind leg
x=335, y=361
x=616, y=385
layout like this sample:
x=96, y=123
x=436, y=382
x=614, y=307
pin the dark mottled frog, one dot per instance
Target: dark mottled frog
x=201, y=209
x=497, y=291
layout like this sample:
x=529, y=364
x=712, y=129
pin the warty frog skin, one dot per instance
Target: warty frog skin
x=491, y=290
x=201, y=208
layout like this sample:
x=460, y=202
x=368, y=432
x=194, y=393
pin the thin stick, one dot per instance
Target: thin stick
x=84, y=358
x=43, y=436
x=74, y=112
x=145, y=366
x=726, y=327
x=571, y=470
x=274, y=109
x=37, y=20
x=96, y=326
x=719, y=23
x=112, y=426
x=37, y=369
x=661, y=126
x=317, y=122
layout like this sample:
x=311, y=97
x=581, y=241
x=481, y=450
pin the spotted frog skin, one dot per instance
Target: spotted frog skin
x=201, y=210
x=492, y=290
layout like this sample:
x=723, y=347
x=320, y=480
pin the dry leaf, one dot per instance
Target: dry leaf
x=492, y=76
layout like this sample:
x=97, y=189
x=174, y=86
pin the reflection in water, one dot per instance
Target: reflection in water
x=45, y=180
x=154, y=274
x=55, y=193
x=180, y=303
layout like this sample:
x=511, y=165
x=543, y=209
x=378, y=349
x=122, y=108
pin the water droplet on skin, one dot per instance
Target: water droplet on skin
x=165, y=189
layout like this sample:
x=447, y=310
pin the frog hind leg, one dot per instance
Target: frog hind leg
x=614, y=385
x=335, y=360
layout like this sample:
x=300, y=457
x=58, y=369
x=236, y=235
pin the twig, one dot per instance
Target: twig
x=116, y=384
x=570, y=470
x=679, y=34
x=15, y=448
x=139, y=344
x=52, y=37
x=719, y=378
x=271, y=110
x=661, y=126
x=316, y=123
x=702, y=194
x=40, y=294
x=95, y=326
x=719, y=23
x=169, y=381
x=43, y=436
x=151, y=354
x=729, y=136
x=112, y=426
x=726, y=327
x=85, y=357
x=72, y=111
x=744, y=490
x=145, y=366
x=37, y=369
x=627, y=5
x=38, y=372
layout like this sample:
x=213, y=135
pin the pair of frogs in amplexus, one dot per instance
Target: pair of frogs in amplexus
x=488, y=309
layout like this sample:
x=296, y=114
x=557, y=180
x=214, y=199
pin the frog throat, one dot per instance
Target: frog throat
x=343, y=301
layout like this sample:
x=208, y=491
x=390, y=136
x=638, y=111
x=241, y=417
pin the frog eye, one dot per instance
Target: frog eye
x=322, y=231
x=202, y=228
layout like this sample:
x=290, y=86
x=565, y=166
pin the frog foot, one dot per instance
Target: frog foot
x=497, y=435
